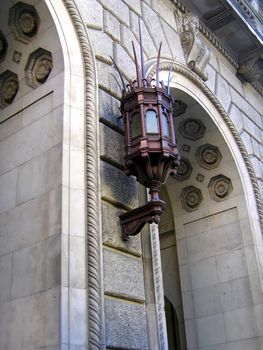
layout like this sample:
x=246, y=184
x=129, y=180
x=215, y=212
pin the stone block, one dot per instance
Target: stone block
x=188, y=305
x=185, y=277
x=211, y=73
x=148, y=44
x=31, y=222
x=211, y=330
x=245, y=107
x=217, y=241
x=78, y=317
x=117, y=186
x=92, y=13
x=31, y=141
x=182, y=252
x=107, y=82
x=173, y=38
x=124, y=62
x=235, y=294
x=118, y=8
x=223, y=93
x=8, y=183
x=77, y=266
x=127, y=37
x=111, y=231
x=191, y=334
x=109, y=110
x=252, y=128
x=166, y=12
x=258, y=168
x=204, y=273
x=126, y=326
x=134, y=5
x=123, y=275
x=229, y=75
x=111, y=26
x=39, y=317
x=153, y=23
x=101, y=43
x=207, y=301
x=240, y=324
x=5, y=277
x=39, y=175
x=36, y=268
x=231, y=265
x=112, y=145
x=236, y=117
x=10, y=126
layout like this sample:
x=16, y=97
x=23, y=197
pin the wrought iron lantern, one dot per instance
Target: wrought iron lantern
x=151, y=152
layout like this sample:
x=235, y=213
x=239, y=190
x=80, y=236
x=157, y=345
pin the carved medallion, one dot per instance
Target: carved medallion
x=208, y=156
x=3, y=46
x=191, y=198
x=179, y=107
x=24, y=22
x=220, y=187
x=192, y=129
x=38, y=67
x=8, y=88
x=184, y=170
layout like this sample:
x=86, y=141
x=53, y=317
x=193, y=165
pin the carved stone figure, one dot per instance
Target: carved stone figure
x=197, y=54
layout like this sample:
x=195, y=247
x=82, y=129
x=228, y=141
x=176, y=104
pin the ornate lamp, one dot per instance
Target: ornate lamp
x=150, y=144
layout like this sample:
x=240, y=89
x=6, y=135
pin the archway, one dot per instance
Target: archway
x=214, y=230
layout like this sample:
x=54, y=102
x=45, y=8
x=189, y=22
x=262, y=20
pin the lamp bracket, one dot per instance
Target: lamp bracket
x=133, y=221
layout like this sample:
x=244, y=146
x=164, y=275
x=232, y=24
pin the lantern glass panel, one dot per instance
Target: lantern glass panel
x=136, y=125
x=165, y=125
x=151, y=122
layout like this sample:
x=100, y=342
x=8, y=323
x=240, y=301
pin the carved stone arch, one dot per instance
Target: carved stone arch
x=80, y=61
x=183, y=78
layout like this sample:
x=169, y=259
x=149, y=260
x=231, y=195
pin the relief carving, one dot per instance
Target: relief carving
x=8, y=88
x=191, y=198
x=208, y=156
x=197, y=54
x=38, y=67
x=184, y=170
x=24, y=22
x=220, y=187
x=192, y=129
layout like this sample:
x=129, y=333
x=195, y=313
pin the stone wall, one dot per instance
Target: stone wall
x=30, y=180
x=112, y=26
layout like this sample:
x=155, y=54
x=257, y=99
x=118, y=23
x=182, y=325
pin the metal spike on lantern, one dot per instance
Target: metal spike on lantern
x=151, y=152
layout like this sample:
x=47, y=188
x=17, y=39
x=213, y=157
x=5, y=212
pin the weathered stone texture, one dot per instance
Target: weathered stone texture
x=118, y=8
x=109, y=109
x=125, y=325
x=123, y=275
x=36, y=268
x=101, y=43
x=92, y=13
x=124, y=62
x=148, y=44
x=236, y=117
x=222, y=92
x=112, y=145
x=111, y=231
x=135, y=5
x=152, y=21
x=111, y=26
x=117, y=186
x=211, y=74
x=173, y=41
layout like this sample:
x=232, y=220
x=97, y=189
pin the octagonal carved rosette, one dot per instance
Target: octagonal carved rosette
x=38, y=67
x=9, y=86
x=208, y=156
x=191, y=198
x=24, y=22
x=184, y=170
x=192, y=129
x=220, y=187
